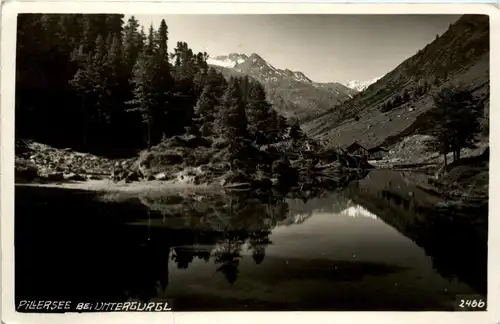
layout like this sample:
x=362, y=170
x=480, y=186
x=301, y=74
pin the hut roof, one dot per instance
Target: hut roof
x=354, y=146
x=378, y=148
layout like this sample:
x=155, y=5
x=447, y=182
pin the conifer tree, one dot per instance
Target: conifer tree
x=263, y=126
x=89, y=82
x=245, y=88
x=85, y=82
x=234, y=126
x=114, y=24
x=456, y=117
x=217, y=81
x=235, y=119
x=406, y=96
x=295, y=132
x=282, y=126
x=206, y=110
x=99, y=60
x=144, y=93
x=151, y=42
x=163, y=81
x=131, y=43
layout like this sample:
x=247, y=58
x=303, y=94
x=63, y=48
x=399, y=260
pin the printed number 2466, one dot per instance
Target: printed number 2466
x=468, y=303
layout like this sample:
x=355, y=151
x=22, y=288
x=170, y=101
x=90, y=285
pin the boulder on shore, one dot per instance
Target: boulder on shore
x=73, y=177
x=131, y=176
x=54, y=176
x=161, y=176
x=25, y=169
x=243, y=185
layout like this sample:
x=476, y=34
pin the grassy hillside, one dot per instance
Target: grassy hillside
x=459, y=56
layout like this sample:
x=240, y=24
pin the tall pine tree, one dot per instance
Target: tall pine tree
x=206, y=110
x=263, y=124
x=144, y=102
x=163, y=80
x=235, y=119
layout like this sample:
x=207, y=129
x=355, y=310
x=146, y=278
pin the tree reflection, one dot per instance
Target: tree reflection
x=228, y=254
x=226, y=224
x=204, y=255
x=180, y=229
x=182, y=257
x=257, y=243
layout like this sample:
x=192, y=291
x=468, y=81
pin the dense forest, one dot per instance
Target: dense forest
x=96, y=84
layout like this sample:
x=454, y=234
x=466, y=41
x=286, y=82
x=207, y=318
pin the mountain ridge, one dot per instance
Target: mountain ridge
x=292, y=93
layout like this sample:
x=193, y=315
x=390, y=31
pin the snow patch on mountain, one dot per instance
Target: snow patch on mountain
x=228, y=61
x=299, y=76
x=336, y=91
x=224, y=63
x=361, y=85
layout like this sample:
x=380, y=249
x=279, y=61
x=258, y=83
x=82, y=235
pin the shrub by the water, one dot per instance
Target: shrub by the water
x=285, y=173
x=25, y=170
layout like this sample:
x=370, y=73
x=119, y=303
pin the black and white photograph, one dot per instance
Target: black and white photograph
x=251, y=162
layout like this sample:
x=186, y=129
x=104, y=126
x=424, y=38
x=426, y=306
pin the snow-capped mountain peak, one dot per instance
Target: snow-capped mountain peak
x=361, y=85
x=255, y=63
x=291, y=92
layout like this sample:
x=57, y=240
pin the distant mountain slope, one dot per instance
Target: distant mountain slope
x=395, y=105
x=292, y=93
x=337, y=88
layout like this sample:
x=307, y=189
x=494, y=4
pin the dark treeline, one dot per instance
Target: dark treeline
x=96, y=84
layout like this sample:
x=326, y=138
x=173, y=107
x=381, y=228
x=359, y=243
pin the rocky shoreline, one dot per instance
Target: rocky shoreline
x=42, y=164
x=36, y=160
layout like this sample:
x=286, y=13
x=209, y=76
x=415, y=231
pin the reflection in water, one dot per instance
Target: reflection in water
x=455, y=237
x=272, y=252
x=257, y=243
x=358, y=211
x=227, y=254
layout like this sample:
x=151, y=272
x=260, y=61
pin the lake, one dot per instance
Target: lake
x=375, y=245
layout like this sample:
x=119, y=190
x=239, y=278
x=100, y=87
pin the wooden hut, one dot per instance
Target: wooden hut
x=357, y=149
x=377, y=152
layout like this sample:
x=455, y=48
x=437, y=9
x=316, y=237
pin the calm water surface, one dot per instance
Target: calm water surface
x=363, y=248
